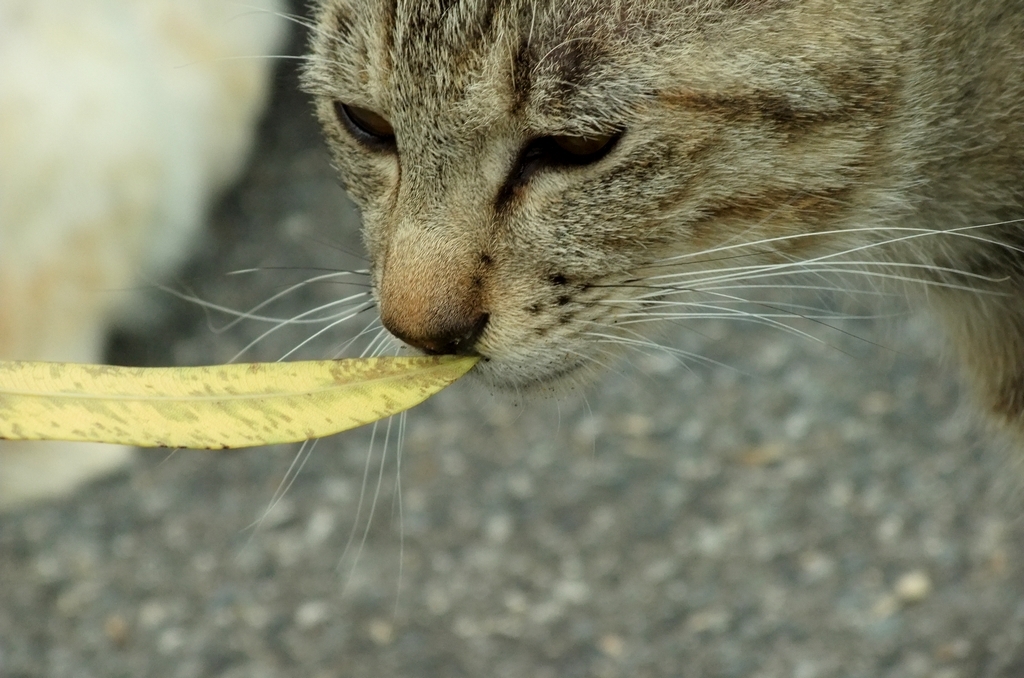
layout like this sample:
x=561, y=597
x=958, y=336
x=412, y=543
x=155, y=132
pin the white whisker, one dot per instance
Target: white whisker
x=379, y=344
x=824, y=263
x=251, y=313
x=781, y=270
x=346, y=316
x=402, y=418
x=373, y=325
x=914, y=233
x=289, y=478
x=375, y=498
x=359, y=504
x=677, y=353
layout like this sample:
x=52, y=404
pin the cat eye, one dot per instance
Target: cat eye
x=584, y=147
x=371, y=129
x=563, y=149
x=560, y=150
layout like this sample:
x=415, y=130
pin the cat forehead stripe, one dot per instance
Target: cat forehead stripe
x=553, y=57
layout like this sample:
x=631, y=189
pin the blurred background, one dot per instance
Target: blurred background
x=782, y=507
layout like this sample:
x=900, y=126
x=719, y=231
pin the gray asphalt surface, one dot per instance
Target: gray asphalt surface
x=789, y=508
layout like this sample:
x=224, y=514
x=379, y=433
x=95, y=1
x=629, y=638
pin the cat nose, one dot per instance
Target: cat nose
x=447, y=336
x=432, y=291
x=436, y=313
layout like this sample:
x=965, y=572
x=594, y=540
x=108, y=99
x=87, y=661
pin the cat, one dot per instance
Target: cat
x=539, y=178
x=120, y=120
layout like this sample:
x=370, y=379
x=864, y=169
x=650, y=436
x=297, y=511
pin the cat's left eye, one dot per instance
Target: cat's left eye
x=584, y=147
x=556, y=151
x=568, y=150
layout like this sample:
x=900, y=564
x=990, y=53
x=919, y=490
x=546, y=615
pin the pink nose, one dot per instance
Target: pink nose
x=445, y=335
x=432, y=303
x=431, y=290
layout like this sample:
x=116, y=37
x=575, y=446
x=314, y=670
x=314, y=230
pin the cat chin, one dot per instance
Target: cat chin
x=540, y=378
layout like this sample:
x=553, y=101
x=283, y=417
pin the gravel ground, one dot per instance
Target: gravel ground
x=786, y=508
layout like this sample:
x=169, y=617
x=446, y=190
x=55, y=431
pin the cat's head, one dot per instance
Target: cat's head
x=527, y=168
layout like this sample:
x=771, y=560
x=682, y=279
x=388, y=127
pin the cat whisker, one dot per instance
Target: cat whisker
x=239, y=315
x=359, y=503
x=589, y=358
x=374, y=499
x=246, y=57
x=804, y=288
x=289, y=478
x=648, y=316
x=379, y=344
x=786, y=310
x=828, y=264
x=656, y=296
x=251, y=313
x=773, y=320
x=329, y=276
x=643, y=343
x=397, y=501
x=343, y=319
x=661, y=295
x=262, y=269
x=854, y=269
x=286, y=16
x=373, y=325
x=780, y=312
x=913, y=233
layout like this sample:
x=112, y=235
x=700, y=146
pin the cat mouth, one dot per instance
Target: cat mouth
x=511, y=360
x=519, y=376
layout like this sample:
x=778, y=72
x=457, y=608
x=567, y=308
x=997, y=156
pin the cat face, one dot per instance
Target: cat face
x=535, y=175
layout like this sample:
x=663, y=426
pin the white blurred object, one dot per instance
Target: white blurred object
x=120, y=120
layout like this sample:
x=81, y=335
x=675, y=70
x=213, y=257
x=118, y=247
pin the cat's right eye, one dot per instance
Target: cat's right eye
x=369, y=128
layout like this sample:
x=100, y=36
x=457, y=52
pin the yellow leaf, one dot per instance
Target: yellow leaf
x=214, y=407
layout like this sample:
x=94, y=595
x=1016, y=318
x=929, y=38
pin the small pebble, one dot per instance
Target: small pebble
x=816, y=565
x=913, y=587
x=763, y=455
x=516, y=602
x=612, y=645
x=997, y=564
x=117, y=631
x=637, y=425
x=170, y=641
x=312, y=614
x=885, y=607
x=153, y=614
x=713, y=620
x=381, y=632
x=954, y=650
x=320, y=526
x=498, y=528
x=876, y=403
